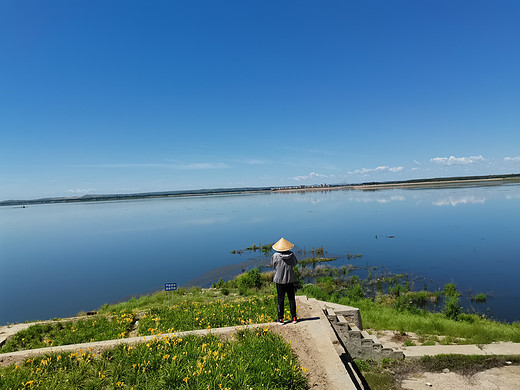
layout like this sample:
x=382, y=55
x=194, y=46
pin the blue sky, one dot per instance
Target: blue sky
x=130, y=96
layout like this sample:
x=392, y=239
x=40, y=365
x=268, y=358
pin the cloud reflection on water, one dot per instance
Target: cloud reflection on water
x=458, y=200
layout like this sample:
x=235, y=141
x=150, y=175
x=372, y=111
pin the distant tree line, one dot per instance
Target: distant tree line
x=224, y=191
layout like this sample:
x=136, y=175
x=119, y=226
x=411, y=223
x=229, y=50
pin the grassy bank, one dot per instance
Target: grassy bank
x=401, y=312
x=259, y=360
x=250, y=298
x=252, y=359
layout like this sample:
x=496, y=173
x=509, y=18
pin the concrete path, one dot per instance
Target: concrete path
x=327, y=348
x=502, y=348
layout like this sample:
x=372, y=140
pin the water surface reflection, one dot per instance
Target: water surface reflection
x=59, y=259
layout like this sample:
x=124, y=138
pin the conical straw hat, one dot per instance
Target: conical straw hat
x=282, y=245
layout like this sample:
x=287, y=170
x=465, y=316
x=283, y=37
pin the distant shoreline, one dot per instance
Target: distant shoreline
x=372, y=186
x=422, y=184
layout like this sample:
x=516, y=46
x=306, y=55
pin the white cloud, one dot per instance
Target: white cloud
x=311, y=175
x=201, y=166
x=384, y=168
x=452, y=160
x=514, y=159
x=254, y=162
x=81, y=191
x=188, y=166
x=121, y=165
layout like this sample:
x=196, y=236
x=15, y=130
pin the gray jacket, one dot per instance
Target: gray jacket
x=283, y=263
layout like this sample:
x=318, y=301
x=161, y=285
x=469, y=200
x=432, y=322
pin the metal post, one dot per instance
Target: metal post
x=170, y=287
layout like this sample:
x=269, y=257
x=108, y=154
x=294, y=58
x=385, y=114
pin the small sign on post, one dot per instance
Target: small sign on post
x=170, y=287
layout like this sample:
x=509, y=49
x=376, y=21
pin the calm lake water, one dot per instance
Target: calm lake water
x=59, y=259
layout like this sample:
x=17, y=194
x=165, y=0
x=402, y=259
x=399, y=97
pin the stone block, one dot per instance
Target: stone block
x=352, y=315
x=353, y=327
x=387, y=353
x=342, y=321
x=354, y=334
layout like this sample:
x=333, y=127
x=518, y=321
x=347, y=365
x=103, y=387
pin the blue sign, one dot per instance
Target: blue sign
x=170, y=286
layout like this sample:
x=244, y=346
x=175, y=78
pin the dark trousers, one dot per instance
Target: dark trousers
x=282, y=289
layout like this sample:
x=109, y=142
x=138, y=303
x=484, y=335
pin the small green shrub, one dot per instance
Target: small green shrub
x=452, y=308
x=224, y=291
x=355, y=293
x=219, y=284
x=451, y=291
x=251, y=279
x=398, y=290
x=412, y=301
x=480, y=298
x=326, y=284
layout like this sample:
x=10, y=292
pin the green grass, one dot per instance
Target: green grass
x=188, y=363
x=471, y=329
x=95, y=328
x=159, y=298
x=199, y=312
x=214, y=314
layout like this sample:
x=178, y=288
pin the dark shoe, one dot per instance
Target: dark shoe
x=280, y=322
x=294, y=320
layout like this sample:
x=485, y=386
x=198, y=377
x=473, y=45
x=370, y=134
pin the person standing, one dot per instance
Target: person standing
x=283, y=262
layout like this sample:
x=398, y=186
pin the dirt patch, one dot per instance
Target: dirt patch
x=502, y=378
x=401, y=338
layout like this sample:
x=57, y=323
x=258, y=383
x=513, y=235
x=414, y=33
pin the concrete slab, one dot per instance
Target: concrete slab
x=432, y=350
x=503, y=348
